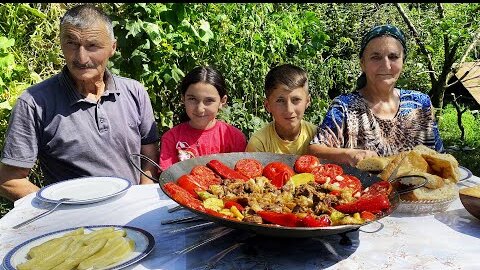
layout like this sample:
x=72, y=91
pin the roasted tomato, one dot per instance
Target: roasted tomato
x=367, y=216
x=380, y=187
x=278, y=173
x=347, y=181
x=306, y=163
x=229, y=204
x=325, y=171
x=206, y=174
x=249, y=167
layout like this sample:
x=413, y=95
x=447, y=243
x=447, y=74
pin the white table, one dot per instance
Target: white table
x=447, y=240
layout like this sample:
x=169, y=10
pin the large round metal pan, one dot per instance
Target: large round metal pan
x=229, y=159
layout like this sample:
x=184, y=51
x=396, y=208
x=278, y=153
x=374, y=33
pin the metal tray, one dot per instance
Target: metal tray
x=184, y=167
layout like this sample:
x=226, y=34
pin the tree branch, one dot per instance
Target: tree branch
x=415, y=34
x=446, y=44
x=471, y=46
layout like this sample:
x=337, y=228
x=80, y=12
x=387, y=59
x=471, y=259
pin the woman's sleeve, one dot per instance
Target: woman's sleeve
x=436, y=133
x=330, y=131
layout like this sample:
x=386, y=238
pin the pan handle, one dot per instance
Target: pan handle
x=131, y=156
x=406, y=190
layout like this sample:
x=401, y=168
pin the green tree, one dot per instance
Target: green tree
x=444, y=35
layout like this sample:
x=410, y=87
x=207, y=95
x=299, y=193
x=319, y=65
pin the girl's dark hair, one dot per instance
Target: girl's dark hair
x=203, y=74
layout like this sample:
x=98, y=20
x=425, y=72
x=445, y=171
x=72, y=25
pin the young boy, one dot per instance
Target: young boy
x=287, y=98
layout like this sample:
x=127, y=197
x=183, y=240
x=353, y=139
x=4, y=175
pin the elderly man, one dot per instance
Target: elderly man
x=84, y=121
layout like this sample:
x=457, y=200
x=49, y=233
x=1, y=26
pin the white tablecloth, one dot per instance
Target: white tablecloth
x=447, y=240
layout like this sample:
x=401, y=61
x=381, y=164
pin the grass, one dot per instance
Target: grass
x=450, y=133
x=468, y=159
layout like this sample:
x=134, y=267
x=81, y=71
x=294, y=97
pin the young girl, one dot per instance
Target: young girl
x=203, y=93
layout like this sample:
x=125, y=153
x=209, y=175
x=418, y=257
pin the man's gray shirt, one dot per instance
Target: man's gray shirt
x=73, y=136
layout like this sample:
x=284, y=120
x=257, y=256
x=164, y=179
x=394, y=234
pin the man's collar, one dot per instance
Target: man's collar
x=75, y=96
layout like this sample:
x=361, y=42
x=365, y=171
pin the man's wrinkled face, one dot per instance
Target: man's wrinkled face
x=87, y=51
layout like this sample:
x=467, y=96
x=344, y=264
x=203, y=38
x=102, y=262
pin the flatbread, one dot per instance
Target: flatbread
x=448, y=191
x=443, y=165
x=413, y=162
x=374, y=164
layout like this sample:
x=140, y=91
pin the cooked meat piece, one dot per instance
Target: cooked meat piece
x=242, y=200
x=217, y=190
x=236, y=188
x=299, y=209
x=321, y=208
x=274, y=207
x=304, y=190
x=330, y=200
x=253, y=219
x=269, y=187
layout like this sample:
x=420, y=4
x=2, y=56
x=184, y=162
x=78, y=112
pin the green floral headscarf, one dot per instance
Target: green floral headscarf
x=382, y=30
x=378, y=31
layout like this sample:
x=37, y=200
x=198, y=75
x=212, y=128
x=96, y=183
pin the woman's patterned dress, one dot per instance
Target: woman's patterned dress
x=349, y=123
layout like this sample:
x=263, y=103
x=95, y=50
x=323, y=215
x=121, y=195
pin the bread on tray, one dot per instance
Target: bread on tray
x=447, y=191
x=441, y=170
x=409, y=163
x=374, y=164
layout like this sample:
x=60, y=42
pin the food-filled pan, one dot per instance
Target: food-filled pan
x=230, y=159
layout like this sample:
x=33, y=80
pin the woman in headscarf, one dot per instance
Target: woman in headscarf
x=377, y=119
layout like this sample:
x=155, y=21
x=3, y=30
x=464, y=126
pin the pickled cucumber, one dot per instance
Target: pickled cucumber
x=114, y=250
x=45, y=248
x=36, y=262
x=94, y=250
x=82, y=254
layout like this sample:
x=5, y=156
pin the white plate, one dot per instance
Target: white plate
x=464, y=173
x=84, y=190
x=144, y=243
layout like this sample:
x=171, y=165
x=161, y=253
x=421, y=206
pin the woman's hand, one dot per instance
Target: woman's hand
x=355, y=155
x=340, y=155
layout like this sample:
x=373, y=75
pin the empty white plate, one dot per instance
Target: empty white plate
x=84, y=190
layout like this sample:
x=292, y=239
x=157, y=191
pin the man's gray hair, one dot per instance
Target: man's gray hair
x=84, y=16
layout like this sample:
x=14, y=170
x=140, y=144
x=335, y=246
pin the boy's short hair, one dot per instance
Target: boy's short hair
x=287, y=75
